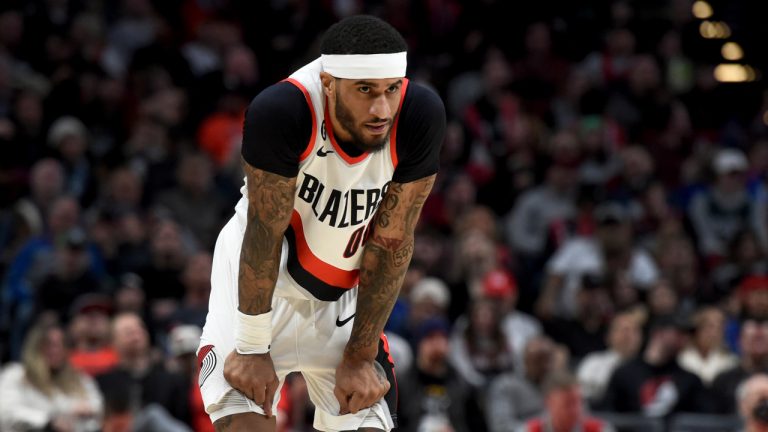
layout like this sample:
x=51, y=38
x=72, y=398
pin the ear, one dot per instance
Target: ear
x=328, y=82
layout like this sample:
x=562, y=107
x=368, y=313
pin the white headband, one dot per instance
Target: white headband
x=365, y=66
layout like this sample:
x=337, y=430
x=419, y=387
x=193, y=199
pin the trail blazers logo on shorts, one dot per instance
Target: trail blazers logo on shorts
x=207, y=359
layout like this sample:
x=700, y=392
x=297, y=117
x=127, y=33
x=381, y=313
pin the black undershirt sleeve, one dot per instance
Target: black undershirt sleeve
x=277, y=129
x=420, y=133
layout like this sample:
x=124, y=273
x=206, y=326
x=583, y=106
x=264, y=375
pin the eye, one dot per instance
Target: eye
x=393, y=89
x=364, y=89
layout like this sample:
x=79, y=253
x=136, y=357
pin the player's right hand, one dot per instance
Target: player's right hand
x=254, y=376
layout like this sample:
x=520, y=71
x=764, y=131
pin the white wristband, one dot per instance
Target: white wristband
x=253, y=333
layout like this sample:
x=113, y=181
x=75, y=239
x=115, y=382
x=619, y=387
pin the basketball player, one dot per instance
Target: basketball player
x=339, y=159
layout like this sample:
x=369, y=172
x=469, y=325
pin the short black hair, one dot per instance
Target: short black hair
x=362, y=34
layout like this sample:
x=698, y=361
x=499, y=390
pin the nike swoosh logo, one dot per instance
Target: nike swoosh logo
x=340, y=323
x=322, y=153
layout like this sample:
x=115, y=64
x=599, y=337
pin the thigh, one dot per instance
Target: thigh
x=245, y=422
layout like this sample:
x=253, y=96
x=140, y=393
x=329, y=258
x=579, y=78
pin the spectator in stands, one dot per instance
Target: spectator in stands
x=513, y=398
x=194, y=203
x=518, y=327
x=706, y=355
x=34, y=263
x=624, y=339
x=585, y=332
x=196, y=279
x=725, y=209
x=46, y=183
x=753, y=344
x=746, y=257
x=432, y=395
x=654, y=384
x=479, y=348
x=69, y=137
x=44, y=391
x=138, y=377
x=528, y=224
x=429, y=298
x=753, y=294
x=72, y=274
x=753, y=403
x=611, y=253
x=564, y=408
x=89, y=333
x=183, y=342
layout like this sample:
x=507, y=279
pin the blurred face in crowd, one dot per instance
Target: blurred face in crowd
x=197, y=275
x=668, y=341
x=753, y=391
x=624, y=335
x=195, y=174
x=54, y=349
x=731, y=181
x=63, y=215
x=91, y=327
x=644, y=74
x=753, y=339
x=756, y=303
x=710, y=329
x=485, y=317
x=47, y=180
x=616, y=239
x=363, y=111
x=166, y=241
x=433, y=350
x=662, y=298
x=477, y=253
x=539, y=358
x=125, y=188
x=565, y=408
x=129, y=336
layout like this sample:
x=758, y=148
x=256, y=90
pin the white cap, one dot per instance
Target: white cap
x=433, y=289
x=64, y=127
x=730, y=160
x=184, y=339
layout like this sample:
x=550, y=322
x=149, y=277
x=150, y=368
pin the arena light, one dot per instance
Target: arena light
x=714, y=30
x=734, y=73
x=701, y=9
x=732, y=51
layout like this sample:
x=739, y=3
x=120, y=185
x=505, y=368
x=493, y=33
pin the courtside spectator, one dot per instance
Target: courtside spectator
x=44, y=391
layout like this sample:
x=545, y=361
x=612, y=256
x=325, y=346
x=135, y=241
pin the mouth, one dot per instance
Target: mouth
x=379, y=128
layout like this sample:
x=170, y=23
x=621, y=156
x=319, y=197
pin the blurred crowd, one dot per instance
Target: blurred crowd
x=595, y=250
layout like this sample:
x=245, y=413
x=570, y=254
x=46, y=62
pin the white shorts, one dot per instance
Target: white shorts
x=306, y=338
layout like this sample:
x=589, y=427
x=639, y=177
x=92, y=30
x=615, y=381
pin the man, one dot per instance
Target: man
x=139, y=381
x=624, y=340
x=753, y=345
x=654, y=384
x=338, y=159
x=564, y=408
x=514, y=398
x=432, y=395
x=753, y=403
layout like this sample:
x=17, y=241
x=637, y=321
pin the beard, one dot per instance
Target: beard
x=347, y=121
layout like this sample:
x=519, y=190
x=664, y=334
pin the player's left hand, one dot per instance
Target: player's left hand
x=359, y=385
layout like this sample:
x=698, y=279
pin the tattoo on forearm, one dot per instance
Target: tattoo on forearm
x=270, y=206
x=385, y=261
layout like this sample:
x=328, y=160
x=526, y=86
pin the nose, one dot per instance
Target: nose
x=380, y=108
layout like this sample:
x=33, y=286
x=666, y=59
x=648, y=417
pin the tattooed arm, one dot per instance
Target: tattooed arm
x=385, y=260
x=270, y=204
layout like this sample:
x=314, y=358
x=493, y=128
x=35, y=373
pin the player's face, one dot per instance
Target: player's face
x=365, y=110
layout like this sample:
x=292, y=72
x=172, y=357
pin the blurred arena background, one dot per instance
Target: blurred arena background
x=599, y=223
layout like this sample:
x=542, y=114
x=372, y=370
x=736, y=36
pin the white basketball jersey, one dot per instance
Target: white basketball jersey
x=336, y=198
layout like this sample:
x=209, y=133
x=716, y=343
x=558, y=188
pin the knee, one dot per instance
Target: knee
x=245, y=422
